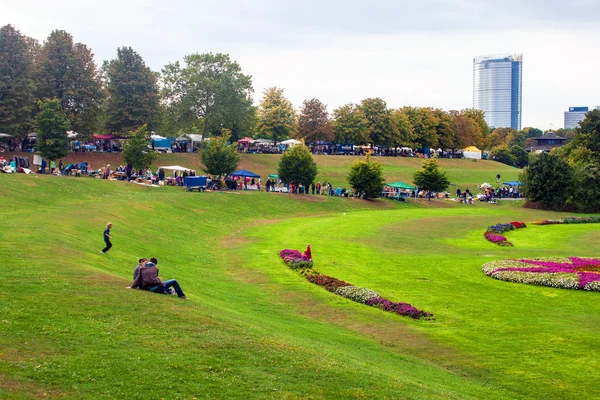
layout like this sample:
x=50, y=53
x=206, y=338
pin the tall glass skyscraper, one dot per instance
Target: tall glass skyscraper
x=497, y=89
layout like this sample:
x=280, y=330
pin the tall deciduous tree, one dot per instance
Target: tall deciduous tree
x=219, y=157
x=366, y=177
x=351, y=126
x=209, y=91
x=424, y=123
x=547, y=179
x=431, y=177
x=405, y=130
x=314, y=123
x=136, y=151
x=479, y=117
x=468, y=132
x=297, y=165
x=132, y=93
x=52, y=141
x=276, y=115
x=383, y=129
x=445, y=130
x=67, y=71
x=17, y=87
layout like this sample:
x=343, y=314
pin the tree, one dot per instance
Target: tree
x=531, y=132
x=424, y=123
x=366, y=177
x=444, y=130
x=431, y=177
x=67, y=71
x=503, y=155
x=297, y=165
x=478, y=116
x=210, y=91
x=406, y=133
x=586, y=187
x=383, y=130
x=500, y=137
x=314, y=123
x=219, y=158
x=547, y=179
x=52, y=141
x=468, y=132
x=520, y=155
x=132, y=92
x=17, y=86
x=136, y=151
x=350, y=125
x=276, y=115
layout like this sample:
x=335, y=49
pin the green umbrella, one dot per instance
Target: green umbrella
x=274, y=176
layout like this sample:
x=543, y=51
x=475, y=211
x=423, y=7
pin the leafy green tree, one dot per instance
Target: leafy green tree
x=468, y=132
x=531, y=132
x=67, y=71
x=209, y=91
x=586, y=187
x=17, y=85
x=350, y=125
x=431, y=177
x=297, y=165
x=503, y=155
x=366, y=177
x=276, y=115
x=136, y=151
x=383, y=129
x=314, y=123
x=405, y=130
x=132, y=93
x=52, y=141
x=444, y=130
x=499, y=137
x=548, y=180
x=219, y=157
x=478, y=116
x=424, y=124
x=520, y=155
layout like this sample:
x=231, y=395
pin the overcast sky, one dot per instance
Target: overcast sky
x=417, y=53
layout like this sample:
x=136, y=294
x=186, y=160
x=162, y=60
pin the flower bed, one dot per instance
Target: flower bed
x=566, y=273
x=296, y=261
x=568, y=220
x=494, y=232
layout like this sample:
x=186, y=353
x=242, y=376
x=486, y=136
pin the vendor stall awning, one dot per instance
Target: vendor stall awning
x=176, y=168
x=273, y=176
x=107, y=136
x=244, y=173
x=512, y=183
x=400, y=185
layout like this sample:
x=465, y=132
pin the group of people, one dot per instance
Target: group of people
x=145, y=274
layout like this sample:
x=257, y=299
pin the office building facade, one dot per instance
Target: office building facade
x=574, y=116
x=497, y=89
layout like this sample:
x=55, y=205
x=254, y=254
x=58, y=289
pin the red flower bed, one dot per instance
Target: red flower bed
x=327, y=282
x=518, y=225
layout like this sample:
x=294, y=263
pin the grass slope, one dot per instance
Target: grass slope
x=255, y=329
x=463, y=173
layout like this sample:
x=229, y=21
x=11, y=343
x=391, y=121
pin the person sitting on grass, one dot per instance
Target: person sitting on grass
x=147, y=279
x=141, y=263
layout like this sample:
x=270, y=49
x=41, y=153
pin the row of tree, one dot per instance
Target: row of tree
x=204, y=93
x=569, y=177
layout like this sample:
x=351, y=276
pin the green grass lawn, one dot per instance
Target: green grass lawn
x=254, y=328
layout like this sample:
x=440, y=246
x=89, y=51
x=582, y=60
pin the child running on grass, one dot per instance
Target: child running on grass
x=107, y=238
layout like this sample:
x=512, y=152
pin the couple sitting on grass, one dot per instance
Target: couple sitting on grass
x=145, y=277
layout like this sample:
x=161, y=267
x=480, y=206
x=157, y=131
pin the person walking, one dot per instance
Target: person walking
x=107, y=238
x=497, y=178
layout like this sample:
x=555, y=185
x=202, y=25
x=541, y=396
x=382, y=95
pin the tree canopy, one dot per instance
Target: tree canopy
x=431, y=177
x=219, y=157
x=210, y=90
x=135, y=150
x=133, y=98
x=350, y=125
x=366, y=176
x=52, y=141
x=297, y=165
x=276, y=115
x=314, y=123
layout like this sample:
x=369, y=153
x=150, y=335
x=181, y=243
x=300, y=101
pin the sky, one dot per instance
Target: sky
x=415, y=53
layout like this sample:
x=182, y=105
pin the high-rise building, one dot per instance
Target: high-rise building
x=497, y=89
x=574, y=116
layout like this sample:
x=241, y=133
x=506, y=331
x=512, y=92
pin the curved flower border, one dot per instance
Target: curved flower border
x=565, y=273
x=296, y=261
x=494, y=232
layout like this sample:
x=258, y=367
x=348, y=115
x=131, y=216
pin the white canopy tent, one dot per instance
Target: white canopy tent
x=291, y=142
x=263, y=141
x=72, y=135
x=472, y=152
x=5, y=136
x=157, y=137
x=177, y=168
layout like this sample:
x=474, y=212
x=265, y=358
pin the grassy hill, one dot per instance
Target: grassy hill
x=255, y=329
x=463, y=173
